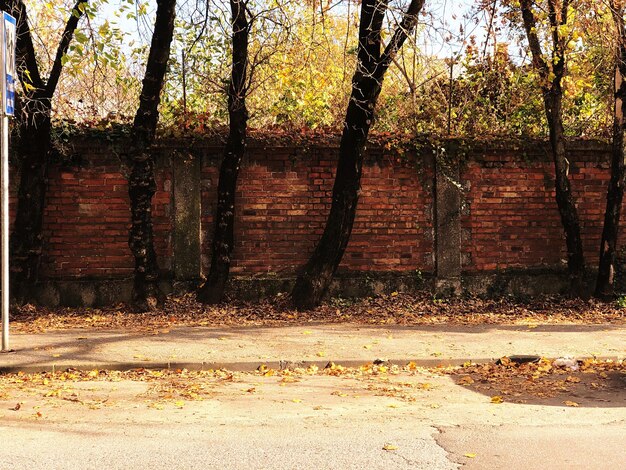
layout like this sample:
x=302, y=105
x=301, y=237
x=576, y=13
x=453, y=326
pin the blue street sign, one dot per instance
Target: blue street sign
x=9, y=38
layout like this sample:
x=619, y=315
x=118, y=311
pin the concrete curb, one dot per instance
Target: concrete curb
x=250, y=366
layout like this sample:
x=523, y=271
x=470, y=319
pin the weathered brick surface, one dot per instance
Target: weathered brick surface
x=86, y=221
x=283, y=201
x=509, y=219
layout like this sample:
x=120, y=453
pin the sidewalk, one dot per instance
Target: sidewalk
x=246, y=348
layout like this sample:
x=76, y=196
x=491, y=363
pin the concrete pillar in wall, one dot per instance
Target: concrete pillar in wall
x=186, y=241
x=447, y=223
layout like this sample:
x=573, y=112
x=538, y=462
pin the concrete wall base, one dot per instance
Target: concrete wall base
x=517, y=283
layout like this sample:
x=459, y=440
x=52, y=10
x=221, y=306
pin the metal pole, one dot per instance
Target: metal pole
x=5, y=232
x=4, y=199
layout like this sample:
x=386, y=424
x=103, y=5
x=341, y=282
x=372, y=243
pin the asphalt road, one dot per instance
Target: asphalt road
x=406, y=421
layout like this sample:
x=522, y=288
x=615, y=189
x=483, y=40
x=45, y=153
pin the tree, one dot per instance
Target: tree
x=212, y=291
x=34, y=121
x=615, y=193
x=372, y=64
x=551, y=71
x=141, y=182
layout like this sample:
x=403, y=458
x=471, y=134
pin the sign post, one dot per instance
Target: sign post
x=8, y=39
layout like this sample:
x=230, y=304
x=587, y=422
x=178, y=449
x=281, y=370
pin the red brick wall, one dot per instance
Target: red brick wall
x=87, y=218
x=283, y=201
x=510, y=219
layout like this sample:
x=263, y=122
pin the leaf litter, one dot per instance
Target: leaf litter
x=396, y=309
x=503, y=383
x=546, y=381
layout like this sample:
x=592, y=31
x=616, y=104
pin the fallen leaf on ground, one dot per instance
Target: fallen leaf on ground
x=467, y=380
x=390, y=447
x=402, y=309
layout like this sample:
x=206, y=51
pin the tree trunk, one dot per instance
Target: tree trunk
x=551, y=76
x=212, y=292
x=615, y=193
x=564, y=197
x=34, y=145
x=318, y=273
x=314, y=280
x=27, y=239
x=141, y=183
x=614, y=197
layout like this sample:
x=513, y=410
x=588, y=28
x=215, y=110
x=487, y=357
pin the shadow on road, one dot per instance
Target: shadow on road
x=601, y=388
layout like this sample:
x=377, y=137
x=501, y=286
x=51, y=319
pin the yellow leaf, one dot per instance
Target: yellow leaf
x=394, y=294
x=470, y=456
x=390, y=447
x=505, y=361
x=56, y=355
x=467, y=380
x=434, y=406
x=179, y=403
x=321, y=354
x=296, y=400
x=497, y=399
x=307, y=332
